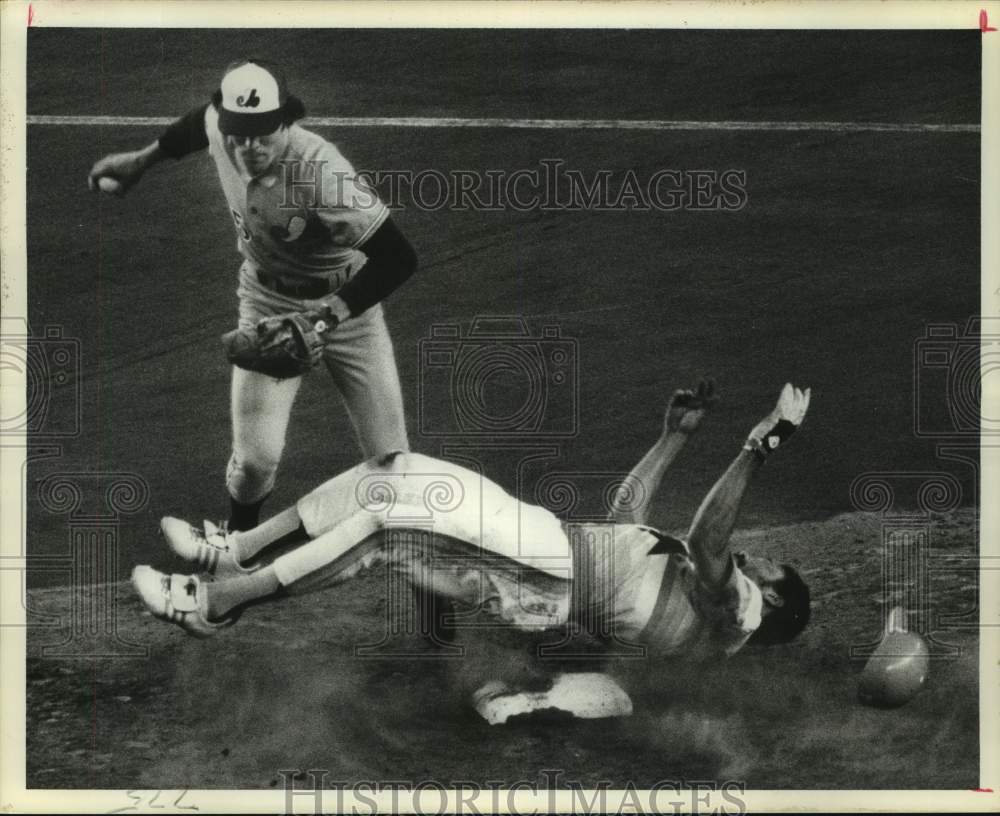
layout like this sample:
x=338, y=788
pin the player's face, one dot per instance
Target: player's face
x=258, y=153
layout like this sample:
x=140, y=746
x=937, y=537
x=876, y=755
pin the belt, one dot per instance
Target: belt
x=304, y=289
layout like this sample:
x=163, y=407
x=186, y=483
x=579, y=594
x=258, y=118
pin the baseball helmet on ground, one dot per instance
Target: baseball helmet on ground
x=897, y=670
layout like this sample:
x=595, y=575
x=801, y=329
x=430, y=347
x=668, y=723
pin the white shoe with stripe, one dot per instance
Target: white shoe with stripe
x=210, y=548
x=174, y=598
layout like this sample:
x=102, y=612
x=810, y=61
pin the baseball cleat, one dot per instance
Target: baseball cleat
x=781, y=423
x=211, y=548
x=175, y=599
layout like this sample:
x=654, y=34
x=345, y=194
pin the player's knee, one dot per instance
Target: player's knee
x=262, y=453
x=251, y=477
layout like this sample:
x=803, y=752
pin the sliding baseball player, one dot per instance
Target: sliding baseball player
x=482, y=548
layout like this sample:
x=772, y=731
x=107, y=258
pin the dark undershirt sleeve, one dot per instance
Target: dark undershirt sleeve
x=185, y=135
x=391, y=261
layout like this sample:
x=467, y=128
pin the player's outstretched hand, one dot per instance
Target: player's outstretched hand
x=116, y=173
x=781, y=423
x=688, y=408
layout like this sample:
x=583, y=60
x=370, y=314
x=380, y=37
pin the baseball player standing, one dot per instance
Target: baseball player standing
x=315, y=241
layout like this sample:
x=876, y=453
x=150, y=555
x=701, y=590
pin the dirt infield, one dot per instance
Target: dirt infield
x=284, y=690
x=849, y=246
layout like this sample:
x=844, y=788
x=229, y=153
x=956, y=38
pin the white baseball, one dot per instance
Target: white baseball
x=106, y=184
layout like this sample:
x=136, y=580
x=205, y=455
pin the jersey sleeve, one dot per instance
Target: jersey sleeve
x=733, y=612
x=350, y=208
x=185, y=135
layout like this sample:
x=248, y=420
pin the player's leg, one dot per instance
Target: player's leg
x=362, y=362
x=358, y=543
x=448, y=568
x=222, y=597
x=223, y=552
x=201, y=607
x=261, y=407
x=284, y=528
x=334, y=557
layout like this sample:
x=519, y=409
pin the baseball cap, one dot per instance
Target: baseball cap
x=251, y=99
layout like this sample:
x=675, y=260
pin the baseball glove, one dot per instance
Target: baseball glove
x=282, y=346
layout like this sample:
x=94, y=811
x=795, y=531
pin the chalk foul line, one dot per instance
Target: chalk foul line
x=536, y=124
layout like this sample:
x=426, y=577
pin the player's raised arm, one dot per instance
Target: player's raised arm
x=684, y=415
x=708, y=539
x=118, y=172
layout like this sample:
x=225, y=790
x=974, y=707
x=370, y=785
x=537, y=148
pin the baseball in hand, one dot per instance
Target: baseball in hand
x=109, y=185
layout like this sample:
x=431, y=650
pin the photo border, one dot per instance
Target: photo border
x=17, y=15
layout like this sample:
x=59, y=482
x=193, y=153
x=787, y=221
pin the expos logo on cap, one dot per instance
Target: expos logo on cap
x=251, y=99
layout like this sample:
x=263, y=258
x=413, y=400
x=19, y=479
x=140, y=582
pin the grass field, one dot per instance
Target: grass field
x=849, y=246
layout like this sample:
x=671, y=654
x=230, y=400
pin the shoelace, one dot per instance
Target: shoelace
x=221, y=533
